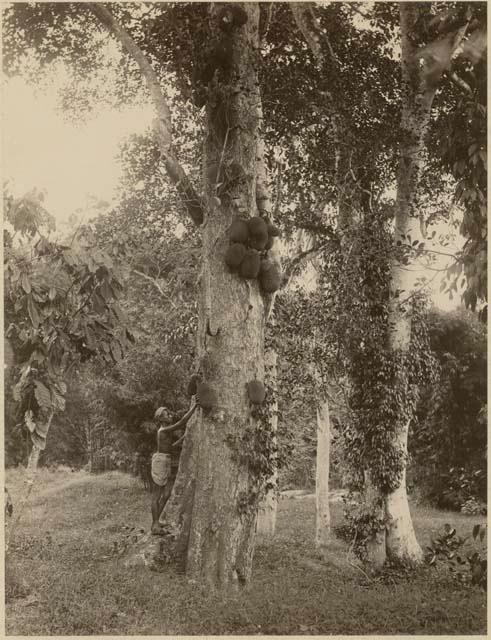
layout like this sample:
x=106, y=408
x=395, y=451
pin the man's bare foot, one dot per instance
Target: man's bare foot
x=157, y=529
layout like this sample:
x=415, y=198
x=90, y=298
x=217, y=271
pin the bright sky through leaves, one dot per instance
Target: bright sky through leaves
x=69, y=162
x=74, y=164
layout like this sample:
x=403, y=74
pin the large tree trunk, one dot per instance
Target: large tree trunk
x=210, y=517
x=322, y=513
x=213, y=531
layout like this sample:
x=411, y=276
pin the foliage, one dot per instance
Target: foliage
x=110, y=406
x=61, y=308
x=462, y=150
x=447, y=548
x=160, y=301
x=378, y=404
x=448, y=442
x=261, y=449
x=363, y=521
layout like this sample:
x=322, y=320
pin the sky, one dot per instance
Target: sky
x=74, y=162
x=40, y=149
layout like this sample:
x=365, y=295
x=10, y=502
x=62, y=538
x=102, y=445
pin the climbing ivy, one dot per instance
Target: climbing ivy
x=384, y=384
x=261, y=449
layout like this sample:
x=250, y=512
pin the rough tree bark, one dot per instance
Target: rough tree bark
x=217, y=536
x=208, y=530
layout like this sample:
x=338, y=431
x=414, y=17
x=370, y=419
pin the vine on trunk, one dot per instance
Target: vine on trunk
x=260, y=449
x=384, y=385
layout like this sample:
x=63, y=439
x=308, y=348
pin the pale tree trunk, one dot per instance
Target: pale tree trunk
x=417, y=98
x=401, y=542
x=30, y=477
x=322, y=513
x=266, y=519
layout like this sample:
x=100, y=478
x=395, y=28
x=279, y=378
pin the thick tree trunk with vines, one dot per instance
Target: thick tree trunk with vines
x=208, y=529
x=212, y=530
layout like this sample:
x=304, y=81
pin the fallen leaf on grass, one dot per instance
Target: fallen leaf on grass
x=30, y=599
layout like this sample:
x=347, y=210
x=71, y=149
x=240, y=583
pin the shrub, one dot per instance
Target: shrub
x=447, y=549
x=449, y=437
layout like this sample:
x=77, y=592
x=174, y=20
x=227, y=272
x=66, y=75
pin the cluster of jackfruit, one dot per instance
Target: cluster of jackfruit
x=256, y=392
x=205, y=394
x=250, y=240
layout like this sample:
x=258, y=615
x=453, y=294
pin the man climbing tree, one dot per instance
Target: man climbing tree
x=165, y=462
x=209, y=519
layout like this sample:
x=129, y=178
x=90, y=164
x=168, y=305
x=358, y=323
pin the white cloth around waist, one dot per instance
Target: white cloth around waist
x=161, y=468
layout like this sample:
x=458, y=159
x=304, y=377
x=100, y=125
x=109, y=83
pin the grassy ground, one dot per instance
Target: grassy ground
x=63, y=578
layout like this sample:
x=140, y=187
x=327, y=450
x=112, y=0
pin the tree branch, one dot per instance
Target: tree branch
x=304, y=16
x=178, y=176
x=459, y=82
x=298, y=259
x=156, y=285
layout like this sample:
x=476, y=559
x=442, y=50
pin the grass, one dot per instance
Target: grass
x=63, y=578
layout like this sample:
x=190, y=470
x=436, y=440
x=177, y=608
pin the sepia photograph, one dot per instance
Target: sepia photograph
x=245, y=318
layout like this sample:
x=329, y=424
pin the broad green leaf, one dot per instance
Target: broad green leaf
x=42, y=428
x=38, y=440
x=29, y=420
x=116, y=351
x=90, y=339
x=61, y=386
x=98, y=303
x=33, y=312
x=58, y=402
x=106, y=291
x=43, y=396
x=25, y=283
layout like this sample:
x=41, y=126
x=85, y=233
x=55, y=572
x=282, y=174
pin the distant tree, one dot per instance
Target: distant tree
x=449, y=437
x=61, y=308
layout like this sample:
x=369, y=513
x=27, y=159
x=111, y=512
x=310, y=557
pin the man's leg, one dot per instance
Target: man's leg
x=160, y=495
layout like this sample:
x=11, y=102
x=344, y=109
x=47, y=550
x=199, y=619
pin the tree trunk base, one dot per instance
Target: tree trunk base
x=154, y=552
x=376, y=552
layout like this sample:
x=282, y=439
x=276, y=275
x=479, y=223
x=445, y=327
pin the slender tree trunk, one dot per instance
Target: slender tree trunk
x=323, y=515
x=30, y=477
x=266, y=521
